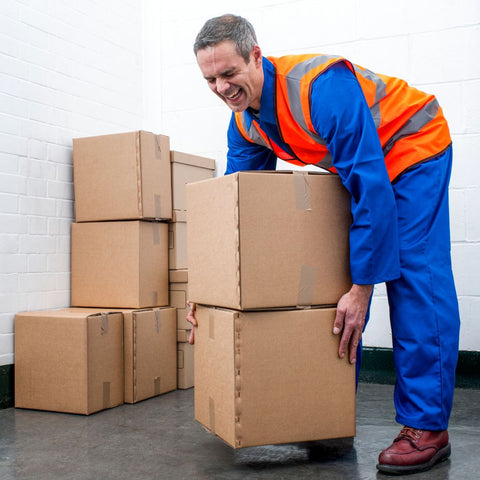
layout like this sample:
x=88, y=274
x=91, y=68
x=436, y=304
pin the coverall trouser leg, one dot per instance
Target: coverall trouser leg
x=423, y=303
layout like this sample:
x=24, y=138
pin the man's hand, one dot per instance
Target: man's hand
x=350, y=319
x=191, y=318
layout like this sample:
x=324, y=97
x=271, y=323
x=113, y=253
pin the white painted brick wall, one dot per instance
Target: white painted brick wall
x=67, y=69
x=71, y=69
x=433, y=44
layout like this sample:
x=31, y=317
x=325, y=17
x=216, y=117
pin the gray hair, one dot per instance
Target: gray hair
x=227, y=27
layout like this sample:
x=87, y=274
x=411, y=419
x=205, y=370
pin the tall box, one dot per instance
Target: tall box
x=272, y=377
x=150, y=351
x=177, y=241
x=68, y=360
x=119, y=264
x=188, y=168
x=123, y=176
x=268, y=239
x=178, y=294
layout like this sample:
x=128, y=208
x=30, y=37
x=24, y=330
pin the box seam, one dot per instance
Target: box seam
x=138, y=157
x=236, y=213
x=238, y=383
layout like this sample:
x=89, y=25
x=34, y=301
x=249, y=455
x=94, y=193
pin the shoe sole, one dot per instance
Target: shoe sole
x=440, y=456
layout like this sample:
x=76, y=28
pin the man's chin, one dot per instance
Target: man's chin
x=236, y=108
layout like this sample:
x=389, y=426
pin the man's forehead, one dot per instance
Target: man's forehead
x=219, y=59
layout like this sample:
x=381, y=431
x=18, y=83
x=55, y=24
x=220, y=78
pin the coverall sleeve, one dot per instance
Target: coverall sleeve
x=245, y=155
x=341, y=116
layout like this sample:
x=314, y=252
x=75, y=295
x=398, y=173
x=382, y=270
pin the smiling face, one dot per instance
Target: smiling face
x=237, y=83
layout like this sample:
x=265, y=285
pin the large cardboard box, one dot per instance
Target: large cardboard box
x=272, y=377
x=187, y=168
x=177, y=241
x=185, y=361
x=122, y=176
x=178, y=294
x=68, y=360
x=268, y=239
x=119, y=264
x=150, y=342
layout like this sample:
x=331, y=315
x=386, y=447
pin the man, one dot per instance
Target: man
x=391, y=146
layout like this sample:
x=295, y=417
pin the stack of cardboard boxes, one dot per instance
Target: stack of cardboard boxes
x=186, y=169
x=268, y=261
x=118, y=342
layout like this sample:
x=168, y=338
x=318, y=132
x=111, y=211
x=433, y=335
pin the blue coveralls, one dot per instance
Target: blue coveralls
x=399, y=235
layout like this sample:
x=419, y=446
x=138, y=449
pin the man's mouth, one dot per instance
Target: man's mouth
x=234, y=96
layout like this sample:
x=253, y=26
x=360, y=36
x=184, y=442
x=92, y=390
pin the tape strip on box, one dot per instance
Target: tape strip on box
x=306, y=287
x=302, y=190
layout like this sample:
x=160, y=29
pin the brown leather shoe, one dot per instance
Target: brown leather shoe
x=414, y=451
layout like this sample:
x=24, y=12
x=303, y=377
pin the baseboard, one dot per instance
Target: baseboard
x=6, y=386
x=377, y=367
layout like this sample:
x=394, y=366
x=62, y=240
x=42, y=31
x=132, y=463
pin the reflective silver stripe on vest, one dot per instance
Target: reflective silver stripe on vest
x=293, y=89
x=380, y=92
x=253, y=134
x=413, y=124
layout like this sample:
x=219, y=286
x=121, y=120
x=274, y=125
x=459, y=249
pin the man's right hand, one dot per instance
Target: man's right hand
x=191, y=319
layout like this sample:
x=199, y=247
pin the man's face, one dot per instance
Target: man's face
x=237, y=83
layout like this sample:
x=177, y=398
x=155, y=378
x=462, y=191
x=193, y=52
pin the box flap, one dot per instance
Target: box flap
x=292, y=378
x=213, y=240
x=156, y=191
x=179, y=216
x=155, y=352
x=178, y=276
x=298, y=225
x=99, y=195
x=189, y=159
x=214, y=375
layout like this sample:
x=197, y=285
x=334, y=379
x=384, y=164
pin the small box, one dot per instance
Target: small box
x=185, y=361
x=178, y=294
x=150, y=337
x=177, y=241
x=187, y=168
x=262, y=240
x=119, y=264
x=123, y=176
x=68, y=360
x=272, y=377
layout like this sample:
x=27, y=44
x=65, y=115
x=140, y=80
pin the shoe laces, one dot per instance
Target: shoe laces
x=409, y=433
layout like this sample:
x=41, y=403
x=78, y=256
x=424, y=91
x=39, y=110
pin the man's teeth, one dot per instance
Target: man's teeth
x=235, y=95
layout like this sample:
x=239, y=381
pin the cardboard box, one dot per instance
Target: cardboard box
x=68, y=361
x=178, y=294
x=268, y=239
x=119, y=264
x=185, y=361
x=272, y=377
x=150, y=339
x=124, y=176
x=188, y=168
x=177, y=241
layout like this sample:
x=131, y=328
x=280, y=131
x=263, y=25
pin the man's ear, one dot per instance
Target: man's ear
x=257, y=56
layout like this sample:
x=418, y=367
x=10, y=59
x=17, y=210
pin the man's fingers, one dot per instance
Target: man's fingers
x=354, y=341
x=343, y=347
x=191, y=314
x=339, y=321
x=191, y=338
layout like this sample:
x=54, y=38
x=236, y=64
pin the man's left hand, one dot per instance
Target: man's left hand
x=350, y=319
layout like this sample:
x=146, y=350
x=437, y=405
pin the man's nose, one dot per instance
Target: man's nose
x=222, y=85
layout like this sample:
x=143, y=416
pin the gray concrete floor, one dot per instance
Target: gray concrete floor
x=159, y=439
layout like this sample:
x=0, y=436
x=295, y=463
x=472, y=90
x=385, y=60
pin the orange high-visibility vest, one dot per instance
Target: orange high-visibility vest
x=410, y=123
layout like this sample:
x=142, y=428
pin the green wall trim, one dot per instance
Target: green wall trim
x=6, y=386
x=377, y=367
